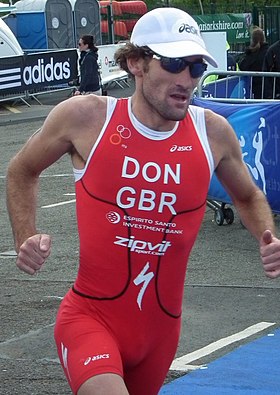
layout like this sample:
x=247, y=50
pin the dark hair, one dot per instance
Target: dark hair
x=257, y=39
x=89, y=40
x=130, y=51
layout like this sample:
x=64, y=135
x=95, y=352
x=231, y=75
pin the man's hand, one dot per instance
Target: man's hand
x=33, y=253
x=270, y=254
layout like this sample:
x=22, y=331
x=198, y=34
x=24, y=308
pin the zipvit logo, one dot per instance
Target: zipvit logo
x=143, y=247
x=181, y=148
x=46, y=72
x=185, y=27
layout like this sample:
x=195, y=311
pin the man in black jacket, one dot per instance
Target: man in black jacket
x=272, y=64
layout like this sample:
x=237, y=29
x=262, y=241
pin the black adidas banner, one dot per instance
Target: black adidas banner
x=36, y=71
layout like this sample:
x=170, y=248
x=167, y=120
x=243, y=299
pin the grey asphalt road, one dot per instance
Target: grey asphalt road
x=225, y=288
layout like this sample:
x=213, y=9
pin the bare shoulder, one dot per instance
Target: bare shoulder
x=74, y=115
x=75, y=124
x=71, y=127
x=216, y=124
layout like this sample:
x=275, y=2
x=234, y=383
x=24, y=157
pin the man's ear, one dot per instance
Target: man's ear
x=135, y=66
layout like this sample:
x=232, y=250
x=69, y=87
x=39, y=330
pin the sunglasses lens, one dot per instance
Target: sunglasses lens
x=197, y=69
x=176, y=65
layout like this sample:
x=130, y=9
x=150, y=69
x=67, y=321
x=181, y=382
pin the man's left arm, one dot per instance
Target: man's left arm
x=250, y=202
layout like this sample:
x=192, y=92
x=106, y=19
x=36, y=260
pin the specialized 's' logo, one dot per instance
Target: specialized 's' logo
x=143, y=278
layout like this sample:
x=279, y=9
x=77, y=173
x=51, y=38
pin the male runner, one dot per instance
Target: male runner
x=142, y=168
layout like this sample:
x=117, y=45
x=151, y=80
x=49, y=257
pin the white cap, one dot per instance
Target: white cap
x=172, y=33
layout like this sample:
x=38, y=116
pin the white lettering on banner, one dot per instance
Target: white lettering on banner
x=46, y=72
x=257, y=168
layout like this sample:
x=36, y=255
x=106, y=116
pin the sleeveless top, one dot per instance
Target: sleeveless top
x=140, y=202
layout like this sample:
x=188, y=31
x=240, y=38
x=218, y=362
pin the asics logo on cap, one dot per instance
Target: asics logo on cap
x=185, y=27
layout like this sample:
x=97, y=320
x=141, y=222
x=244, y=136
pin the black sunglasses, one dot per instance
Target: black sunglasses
x=176, y=65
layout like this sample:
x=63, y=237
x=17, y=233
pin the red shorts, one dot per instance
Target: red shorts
x=87, y=346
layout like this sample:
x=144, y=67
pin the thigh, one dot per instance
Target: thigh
x=149, y=376
x=85, y=347
x=104, y=384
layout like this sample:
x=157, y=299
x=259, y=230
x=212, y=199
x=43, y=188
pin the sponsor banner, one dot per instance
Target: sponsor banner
x=110, y=71
x=37, y=71
x=258, y=131
x=10, y=74
x=237, y=26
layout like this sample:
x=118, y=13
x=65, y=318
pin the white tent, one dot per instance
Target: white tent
x=9, y=45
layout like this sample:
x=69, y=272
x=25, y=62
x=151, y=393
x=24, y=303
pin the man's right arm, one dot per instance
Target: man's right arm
x=41, y=150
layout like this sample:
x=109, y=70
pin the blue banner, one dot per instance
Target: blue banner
x=232, y=87
x=258, y=131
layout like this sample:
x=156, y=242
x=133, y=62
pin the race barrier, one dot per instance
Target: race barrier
x=258, y=131
x=30, y=74
x=235, y=85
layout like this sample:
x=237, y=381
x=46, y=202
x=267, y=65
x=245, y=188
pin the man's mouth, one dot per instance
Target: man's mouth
x=179, y=97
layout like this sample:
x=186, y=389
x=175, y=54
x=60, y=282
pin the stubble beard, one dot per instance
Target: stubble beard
x=161, y=107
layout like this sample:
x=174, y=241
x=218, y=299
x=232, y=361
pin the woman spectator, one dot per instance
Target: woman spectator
x=90, y=81
x=253, y=59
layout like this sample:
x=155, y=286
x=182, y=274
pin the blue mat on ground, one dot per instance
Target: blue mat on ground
x=252, y=369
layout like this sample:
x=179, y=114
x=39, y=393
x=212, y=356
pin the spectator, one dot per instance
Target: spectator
x=253, y=60
x=272, y=64
x=89, y=68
